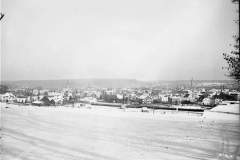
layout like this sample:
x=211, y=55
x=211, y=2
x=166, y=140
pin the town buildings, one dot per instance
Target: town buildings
x=131, y=96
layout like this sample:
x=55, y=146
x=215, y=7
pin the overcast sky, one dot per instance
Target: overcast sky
x=140, y=39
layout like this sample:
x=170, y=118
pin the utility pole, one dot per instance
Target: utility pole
x=191, y=83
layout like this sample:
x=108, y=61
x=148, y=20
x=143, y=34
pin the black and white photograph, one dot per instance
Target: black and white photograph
x=119, y=80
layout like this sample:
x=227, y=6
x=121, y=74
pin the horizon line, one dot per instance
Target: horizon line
x=64, y=79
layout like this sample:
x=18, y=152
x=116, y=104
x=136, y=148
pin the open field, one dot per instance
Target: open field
x=30, y=133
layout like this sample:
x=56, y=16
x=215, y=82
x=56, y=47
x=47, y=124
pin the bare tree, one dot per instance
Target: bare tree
x=1, y=16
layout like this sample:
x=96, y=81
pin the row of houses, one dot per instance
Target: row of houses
x=11, y=98
x=201, y=96
x=132, y=96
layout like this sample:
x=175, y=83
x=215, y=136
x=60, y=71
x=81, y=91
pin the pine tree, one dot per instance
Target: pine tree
x=233, y=58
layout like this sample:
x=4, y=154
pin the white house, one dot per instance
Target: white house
x=163, y=98
x=208, y=101
x=119, y=96
x=7, y=97
x=21, y=99
x=58, y=99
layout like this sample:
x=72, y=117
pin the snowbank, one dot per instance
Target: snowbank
x=228, y=108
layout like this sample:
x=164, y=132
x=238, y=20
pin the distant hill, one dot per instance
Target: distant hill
x=77, y=83
x=111, y=83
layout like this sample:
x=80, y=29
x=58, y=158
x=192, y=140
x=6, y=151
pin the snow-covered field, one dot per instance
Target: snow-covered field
x=229, y=108
x=30, y=133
